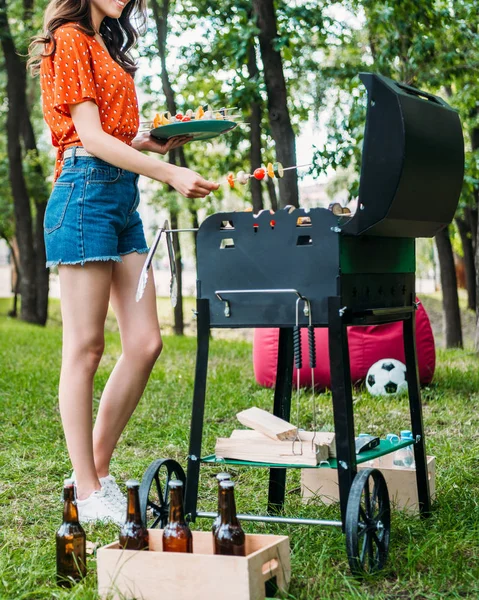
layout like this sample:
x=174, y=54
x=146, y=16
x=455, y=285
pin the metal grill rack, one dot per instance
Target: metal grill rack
x=350, y=270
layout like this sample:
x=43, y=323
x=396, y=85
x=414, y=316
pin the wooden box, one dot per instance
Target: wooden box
x=154, y=574
x=401, y=482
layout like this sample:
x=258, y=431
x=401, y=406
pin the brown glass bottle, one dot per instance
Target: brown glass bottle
x=177, y=536
x=220, y=477
x=133, y=534
x=229, y=537
x=70, y=541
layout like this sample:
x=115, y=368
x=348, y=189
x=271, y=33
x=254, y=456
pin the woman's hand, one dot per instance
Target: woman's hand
x=145, y=141
x=190, y=184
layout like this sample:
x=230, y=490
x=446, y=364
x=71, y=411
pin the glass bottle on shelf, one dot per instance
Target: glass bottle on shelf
x=404, y=457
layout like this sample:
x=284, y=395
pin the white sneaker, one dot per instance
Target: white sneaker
x=113, y=492
x=98, y=507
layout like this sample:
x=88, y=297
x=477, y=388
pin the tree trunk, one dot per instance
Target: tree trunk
x=16, y=279
x=279, y=119
x=191, y=204
x=474, y=217
x=476, y=337
x=178, y=327
x=41, y=198
x=17, y=109
x=450, y=300
x=272, y=195
x=469, y=266
x=161, y=21
x=470, y=216
x=255, y=132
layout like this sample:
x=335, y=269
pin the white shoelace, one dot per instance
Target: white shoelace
x=113, y=492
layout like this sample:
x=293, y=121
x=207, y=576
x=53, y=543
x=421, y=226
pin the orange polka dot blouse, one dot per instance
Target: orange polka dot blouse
x=81, y=69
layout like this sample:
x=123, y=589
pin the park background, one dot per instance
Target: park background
x=291, y=69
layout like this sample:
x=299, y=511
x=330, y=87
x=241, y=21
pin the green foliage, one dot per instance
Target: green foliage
x=433, y=45
x=212, y=67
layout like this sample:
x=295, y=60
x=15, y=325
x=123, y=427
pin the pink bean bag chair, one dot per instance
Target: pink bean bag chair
x=366, y=346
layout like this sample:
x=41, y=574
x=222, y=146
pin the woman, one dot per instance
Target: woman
x=93, y=231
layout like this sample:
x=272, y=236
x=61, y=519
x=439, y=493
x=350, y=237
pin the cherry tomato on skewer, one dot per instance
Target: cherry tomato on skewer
x=259, y=174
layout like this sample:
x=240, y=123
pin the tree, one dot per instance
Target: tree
x=176, y=157
x=278, y=111
x=33, y=284
x=431, y=45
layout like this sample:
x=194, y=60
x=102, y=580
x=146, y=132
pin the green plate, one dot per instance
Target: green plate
x=199, y=130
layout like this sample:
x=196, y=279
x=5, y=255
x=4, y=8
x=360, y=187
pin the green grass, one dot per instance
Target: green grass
x=436, y=558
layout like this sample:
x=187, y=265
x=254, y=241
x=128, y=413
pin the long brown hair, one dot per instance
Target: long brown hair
x=119, y=35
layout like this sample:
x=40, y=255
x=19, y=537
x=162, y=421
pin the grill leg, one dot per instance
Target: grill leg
x=342, y=402
x=409, y=332
x=282, y=409
x=198, y=410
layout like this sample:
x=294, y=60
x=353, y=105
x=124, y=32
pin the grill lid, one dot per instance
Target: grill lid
x=412, y=163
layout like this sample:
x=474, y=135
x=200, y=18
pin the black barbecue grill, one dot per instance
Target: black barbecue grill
x=310, y=267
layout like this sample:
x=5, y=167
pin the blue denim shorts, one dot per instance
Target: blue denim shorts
x=92, y=214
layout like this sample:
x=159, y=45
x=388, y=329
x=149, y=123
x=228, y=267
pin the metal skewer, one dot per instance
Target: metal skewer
x=173, y=279
x=144, y=272
x=297, y=167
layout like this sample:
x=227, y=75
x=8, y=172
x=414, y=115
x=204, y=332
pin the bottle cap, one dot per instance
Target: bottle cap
x=132, y=483
x=223, y=476
x=175, y=483
x=406, y=434
x=363, y=435
x=227, y=484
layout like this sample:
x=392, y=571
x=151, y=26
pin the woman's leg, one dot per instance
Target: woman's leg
x=141, y=346
x=85, y=293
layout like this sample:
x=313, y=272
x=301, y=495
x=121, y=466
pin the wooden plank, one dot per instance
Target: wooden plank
x=264, y=422
x=321, y=437
x=263, y=449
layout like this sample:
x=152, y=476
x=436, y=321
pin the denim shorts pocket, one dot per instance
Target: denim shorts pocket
x=136, y=202
x=104, y=174
x=57, y=206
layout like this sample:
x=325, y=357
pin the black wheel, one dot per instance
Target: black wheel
x=154, y=491
x=368, y=522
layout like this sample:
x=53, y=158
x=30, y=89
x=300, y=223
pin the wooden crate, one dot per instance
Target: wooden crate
x=401, y=482
x=154, y=574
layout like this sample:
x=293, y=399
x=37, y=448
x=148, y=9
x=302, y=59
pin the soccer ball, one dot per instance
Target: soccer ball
x=387, y=377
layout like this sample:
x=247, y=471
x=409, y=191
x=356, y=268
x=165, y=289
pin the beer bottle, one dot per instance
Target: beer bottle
x=229, y=537
x=220, y=477
x=133, y=534
x=70, y=541
x=177, y=535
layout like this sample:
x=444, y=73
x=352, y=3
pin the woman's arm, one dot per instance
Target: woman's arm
x=86, y=119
